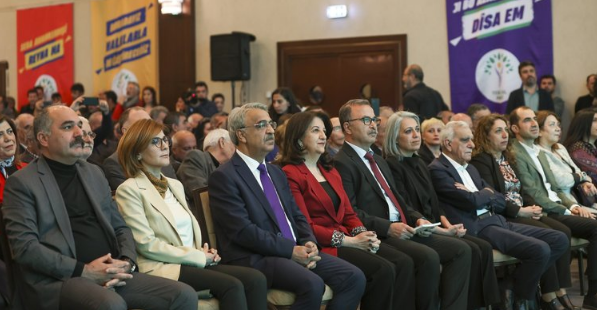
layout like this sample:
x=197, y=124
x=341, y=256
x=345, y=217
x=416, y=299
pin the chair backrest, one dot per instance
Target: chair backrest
x=201, y=199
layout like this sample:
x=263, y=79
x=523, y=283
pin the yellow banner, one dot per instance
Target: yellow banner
x=125, y=44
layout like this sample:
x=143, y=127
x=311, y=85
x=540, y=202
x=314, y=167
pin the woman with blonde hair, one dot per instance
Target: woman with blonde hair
x=167, y=235
x=431, y=146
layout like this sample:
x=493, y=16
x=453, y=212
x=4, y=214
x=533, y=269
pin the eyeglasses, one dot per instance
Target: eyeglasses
x=263, y=124
x=367, y=120
x=336, y=128
x=159, y=142
x=89, y=134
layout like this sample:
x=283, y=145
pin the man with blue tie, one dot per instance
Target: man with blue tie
x=259, y=225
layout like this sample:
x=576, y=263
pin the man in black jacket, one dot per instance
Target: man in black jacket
x=420, y=99
x=529, y=94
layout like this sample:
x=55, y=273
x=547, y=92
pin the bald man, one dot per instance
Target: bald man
x=183, y=141
x=24, y=123
x=419, y=98
x=464, y=118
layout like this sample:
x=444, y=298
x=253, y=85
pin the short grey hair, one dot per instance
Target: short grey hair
x=390, y=142
x=236, y=119
x=214, y=136
x=450, y=130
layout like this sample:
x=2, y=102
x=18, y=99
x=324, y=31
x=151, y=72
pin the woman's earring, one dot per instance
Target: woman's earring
x=300, y=144
x=138, y=156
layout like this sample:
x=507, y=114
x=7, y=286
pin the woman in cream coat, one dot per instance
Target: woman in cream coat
x=166, y=233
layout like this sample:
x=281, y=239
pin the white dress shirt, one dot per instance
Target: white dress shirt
x=393, y=211
x=466, y=179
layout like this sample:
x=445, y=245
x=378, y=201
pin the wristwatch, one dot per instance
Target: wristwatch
x=130, y=261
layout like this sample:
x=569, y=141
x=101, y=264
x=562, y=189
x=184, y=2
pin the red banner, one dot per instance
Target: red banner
x=45, y=51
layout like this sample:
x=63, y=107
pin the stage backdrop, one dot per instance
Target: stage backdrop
x=487, y=41
x=124, y=44
x=45, y=51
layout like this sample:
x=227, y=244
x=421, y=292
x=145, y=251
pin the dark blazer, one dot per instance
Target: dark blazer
x=516, y=100
x=413, y=182
x=245, y=223
x=461, y=206
x=194, y=170
x=490, y=172
x=115, y=174
x=317, y=206
x=583, y=102
x=39, y=231
x=424, y=101
x=425, y=154
x=366, y=197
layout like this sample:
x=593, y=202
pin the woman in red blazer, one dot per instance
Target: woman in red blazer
x=318, y=191
x=9, y=144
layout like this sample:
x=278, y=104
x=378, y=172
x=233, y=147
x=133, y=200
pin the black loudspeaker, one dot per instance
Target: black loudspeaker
x=231, y=56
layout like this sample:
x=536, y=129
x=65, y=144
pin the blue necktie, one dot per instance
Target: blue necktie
x=274, y=202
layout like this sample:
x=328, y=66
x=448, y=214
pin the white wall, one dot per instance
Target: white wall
x=271, y=21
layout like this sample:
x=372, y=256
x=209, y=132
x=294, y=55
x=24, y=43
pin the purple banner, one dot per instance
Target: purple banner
x=487, y=40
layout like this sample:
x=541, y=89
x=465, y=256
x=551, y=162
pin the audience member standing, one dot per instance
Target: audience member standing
x=586, y=101
x=548, y=84
x=529, y=94
x=419, y=98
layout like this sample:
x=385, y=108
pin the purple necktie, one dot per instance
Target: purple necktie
x=274, y=202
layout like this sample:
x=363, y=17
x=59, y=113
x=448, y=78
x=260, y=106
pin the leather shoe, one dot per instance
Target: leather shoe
x=551, y=305
x=567, y=303
x=590, y=302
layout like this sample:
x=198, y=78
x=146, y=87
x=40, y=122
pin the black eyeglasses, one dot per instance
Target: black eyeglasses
x=367, y=120
x=263, y=124
x=159, y=142
x=89, y=134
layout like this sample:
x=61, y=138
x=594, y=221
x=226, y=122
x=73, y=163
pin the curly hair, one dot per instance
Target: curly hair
x=481, y=137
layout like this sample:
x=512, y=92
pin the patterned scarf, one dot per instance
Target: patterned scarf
x=6, y=163
x=160, y=184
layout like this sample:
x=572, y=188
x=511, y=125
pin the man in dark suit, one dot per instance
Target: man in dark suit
x=199, y=165
x=586, y=101
x=468, y=199
x=112, y=168
x=259, y=225
x=72, y=248
x=393, y=220
x=529, y=94
x=419, y=98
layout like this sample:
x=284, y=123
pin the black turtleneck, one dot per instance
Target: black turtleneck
x=91, y=240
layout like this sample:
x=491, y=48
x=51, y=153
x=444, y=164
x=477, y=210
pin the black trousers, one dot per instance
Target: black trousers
x=346, y=281
x=558, y=275
x=536, y=248
x=483, y=287
x=587, y=229
x=390, y=282
x=141, y=292
x=427, y=254
x=235, y=287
